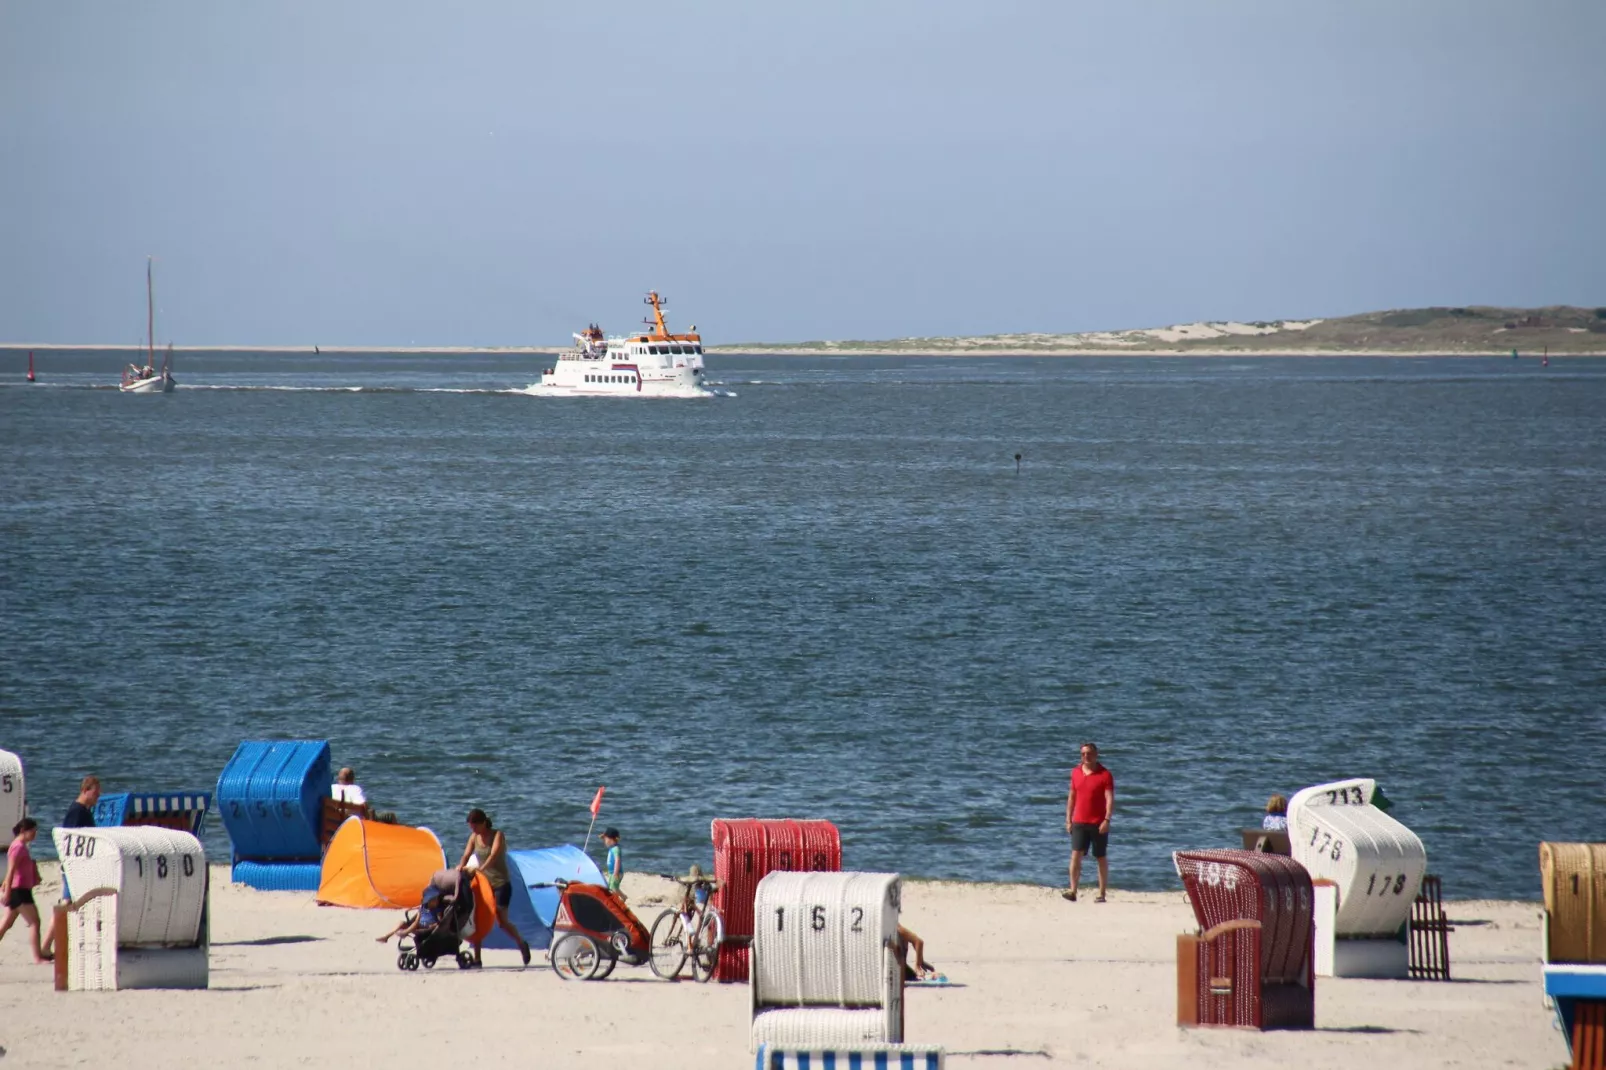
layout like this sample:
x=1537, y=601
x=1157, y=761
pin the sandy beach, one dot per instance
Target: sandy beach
x=1038, y=982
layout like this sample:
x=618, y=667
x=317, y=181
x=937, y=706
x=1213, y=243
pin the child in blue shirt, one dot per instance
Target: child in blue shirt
x=613, y=871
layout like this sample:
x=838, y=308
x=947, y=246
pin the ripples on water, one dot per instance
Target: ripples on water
x=830, y=596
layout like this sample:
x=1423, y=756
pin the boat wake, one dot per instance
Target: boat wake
x=282, y=388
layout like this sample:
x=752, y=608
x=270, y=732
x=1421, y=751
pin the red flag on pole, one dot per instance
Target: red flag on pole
x=596, y=804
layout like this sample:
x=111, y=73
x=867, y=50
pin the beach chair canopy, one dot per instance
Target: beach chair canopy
x=1338, y=833
x=12, y=792
x=373, y=865
x=745, y=850
x=158, y=875
x=533, y=909
x=270, y=797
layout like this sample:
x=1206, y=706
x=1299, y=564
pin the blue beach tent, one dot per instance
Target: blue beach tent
x=533, y=909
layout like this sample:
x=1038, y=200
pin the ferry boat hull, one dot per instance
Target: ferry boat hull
x=621, y=381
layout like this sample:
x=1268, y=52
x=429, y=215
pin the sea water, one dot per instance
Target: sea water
x=896, y=593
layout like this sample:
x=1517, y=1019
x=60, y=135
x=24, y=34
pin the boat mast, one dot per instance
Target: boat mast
x=658, y=314
x=150, y=318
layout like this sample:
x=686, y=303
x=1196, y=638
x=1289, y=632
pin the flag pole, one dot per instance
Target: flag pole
x=596, y=804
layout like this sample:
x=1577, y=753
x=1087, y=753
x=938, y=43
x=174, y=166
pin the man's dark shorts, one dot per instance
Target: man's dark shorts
x=1085, y=834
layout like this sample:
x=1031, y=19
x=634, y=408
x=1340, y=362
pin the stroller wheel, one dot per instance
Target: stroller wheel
x=605, y=967
x=412, y=962
x=429, y=963
x=401, y=961
x=465, y=961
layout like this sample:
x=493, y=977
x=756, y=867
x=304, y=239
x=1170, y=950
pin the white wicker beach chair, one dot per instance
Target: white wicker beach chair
x=826, y=971
x=138, y=917
x=1367, y=868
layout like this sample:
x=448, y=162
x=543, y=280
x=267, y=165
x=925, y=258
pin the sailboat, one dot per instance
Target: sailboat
x=147, y=380
x=31, y=379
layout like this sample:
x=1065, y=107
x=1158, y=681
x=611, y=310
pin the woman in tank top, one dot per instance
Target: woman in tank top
x=16, y=889
x=488, y=847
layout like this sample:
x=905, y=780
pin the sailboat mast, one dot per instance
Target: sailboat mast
x=150, y=318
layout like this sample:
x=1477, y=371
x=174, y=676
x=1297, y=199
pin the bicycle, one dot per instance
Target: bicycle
x=694, y=930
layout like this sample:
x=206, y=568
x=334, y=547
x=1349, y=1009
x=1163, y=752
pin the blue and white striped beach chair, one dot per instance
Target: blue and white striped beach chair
x=866, y=1057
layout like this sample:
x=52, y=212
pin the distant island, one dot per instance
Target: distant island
x=1562, y=330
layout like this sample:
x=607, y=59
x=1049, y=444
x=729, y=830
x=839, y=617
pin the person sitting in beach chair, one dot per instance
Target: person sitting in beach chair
x=348, y=799
x=346, y=789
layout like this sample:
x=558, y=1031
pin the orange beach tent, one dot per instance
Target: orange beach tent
x=373, y=865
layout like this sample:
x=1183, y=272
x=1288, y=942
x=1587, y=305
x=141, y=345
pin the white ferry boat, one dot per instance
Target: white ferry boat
x=654, y=364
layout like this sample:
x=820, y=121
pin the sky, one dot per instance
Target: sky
x=502, y=172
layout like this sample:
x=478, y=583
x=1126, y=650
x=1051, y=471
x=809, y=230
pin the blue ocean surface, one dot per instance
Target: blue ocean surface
x=829, y=593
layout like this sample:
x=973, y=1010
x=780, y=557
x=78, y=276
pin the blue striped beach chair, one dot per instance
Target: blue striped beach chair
x=865, y=1057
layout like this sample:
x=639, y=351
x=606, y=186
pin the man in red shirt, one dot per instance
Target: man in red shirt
x=1087, y=817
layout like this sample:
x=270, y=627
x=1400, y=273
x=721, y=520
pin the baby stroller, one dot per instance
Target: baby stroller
x=445, y=920
x=596, y=931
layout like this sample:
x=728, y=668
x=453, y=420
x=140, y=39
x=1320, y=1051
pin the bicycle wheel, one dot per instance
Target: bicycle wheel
x=668, y=945
x=705, y=945
x=575, y=957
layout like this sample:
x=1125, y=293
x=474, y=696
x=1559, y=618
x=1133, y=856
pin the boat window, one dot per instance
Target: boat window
x=696, y=349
